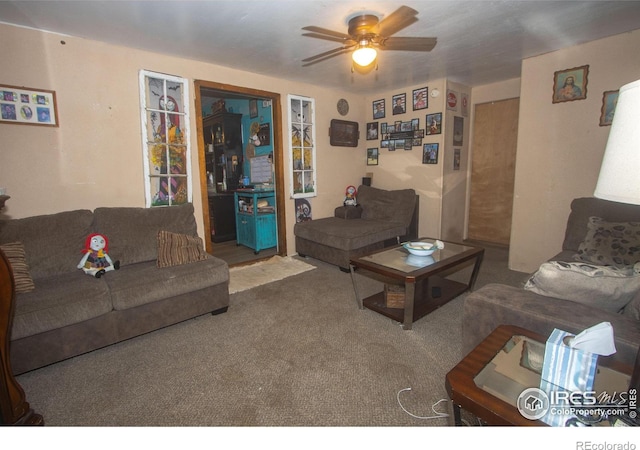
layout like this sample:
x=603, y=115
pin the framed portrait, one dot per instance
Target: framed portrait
x=420, y=99
x=415, y=124
x=392, y=145
x=609, y=102
x=28, y=106
x=430, y=154
x=378, y=109
x=372, y=157
x=434, y=124
x=372, y=131
x=343, y=133
x=383, y=128
x=384, y=143
x=570, y=84
x=399, y=104
x=253, y=108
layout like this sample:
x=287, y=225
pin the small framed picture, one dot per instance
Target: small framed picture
x=609, y=101
x=383, y=128
x=253, y=108
x=372, y=157
x=378, y=109
x=570, y=84
x=420, y=99
x=399, y=104
x=430, y=153
x=372, y=131
x=392, y=145
x=415, y=124
x=434, y=123
x=28, y=106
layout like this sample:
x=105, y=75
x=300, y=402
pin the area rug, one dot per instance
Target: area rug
x=273, y=269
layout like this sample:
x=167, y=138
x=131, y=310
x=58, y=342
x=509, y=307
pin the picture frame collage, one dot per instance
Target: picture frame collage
x=27, y=106
x=403, y=134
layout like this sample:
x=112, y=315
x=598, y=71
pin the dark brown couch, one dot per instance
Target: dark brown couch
x=70, y=313
x=382, y=218
x=496, y=304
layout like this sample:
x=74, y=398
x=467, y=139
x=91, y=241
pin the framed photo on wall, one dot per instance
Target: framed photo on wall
x=609, y=101
x=378, y=109
x=399, y=104
x=420, y=99
x=372, y=157
x=28, y=106
x=434, y=123
x=253, y=108
x=372, y=131
x=570, y=84
x=430, y=153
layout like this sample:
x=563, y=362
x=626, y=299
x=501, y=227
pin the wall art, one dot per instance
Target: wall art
x=399, y=104
x=434, y=123
x=609, y=101
x=372, y=157
x=458, y=130
x=570, y=84
x=430, y=153
x=28, y=106
x=372, y=131
x=420, y=99
x=378, y=109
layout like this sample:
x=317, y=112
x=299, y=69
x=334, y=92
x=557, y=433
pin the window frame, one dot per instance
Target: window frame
x=148, y=142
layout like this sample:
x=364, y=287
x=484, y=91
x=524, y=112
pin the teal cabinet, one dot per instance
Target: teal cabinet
x=256, y=218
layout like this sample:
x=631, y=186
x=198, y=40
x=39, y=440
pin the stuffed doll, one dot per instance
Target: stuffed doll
x=350, y=196
x=96, y=261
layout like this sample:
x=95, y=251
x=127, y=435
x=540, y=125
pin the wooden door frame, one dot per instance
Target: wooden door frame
x=278, y=156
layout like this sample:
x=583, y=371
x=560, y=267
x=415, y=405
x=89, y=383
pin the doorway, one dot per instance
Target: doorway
x=495, y=136
x=227, y=248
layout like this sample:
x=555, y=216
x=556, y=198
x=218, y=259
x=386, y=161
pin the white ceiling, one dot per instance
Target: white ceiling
x=479, y=42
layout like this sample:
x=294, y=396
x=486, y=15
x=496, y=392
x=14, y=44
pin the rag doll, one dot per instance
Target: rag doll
x=350, y=196
x=96, y=260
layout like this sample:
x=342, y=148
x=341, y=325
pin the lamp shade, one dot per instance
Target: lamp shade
x=364, y=56
x=619, y=178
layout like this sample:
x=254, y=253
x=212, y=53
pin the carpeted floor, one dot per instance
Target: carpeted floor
x=295, y=352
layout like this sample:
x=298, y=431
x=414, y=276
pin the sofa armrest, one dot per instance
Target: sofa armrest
x=348, y=212
x=497, y=304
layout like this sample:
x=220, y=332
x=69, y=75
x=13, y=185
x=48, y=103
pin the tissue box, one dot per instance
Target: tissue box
x=565, y=370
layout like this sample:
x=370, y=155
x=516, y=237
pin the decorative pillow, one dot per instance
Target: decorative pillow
x=611, y=243
x=175, y=249
x=604, y=287
x=18, y=260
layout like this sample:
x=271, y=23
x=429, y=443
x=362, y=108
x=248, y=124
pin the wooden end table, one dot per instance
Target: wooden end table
x=426, y=286
x=468, y=388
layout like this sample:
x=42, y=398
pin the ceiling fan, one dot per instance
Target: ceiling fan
x=367, y=34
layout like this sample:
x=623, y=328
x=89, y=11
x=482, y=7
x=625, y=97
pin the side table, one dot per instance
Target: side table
x=476, y=385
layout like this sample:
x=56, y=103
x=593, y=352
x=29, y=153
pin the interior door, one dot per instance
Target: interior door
x=495, y=136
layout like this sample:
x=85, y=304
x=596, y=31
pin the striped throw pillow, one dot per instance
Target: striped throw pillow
x=18, y=260
x=175, y=249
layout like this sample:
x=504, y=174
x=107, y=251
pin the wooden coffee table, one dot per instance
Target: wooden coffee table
x=426, y=286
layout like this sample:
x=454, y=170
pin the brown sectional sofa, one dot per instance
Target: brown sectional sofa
x=70, y=313
x=382, y=218
x=497, y=304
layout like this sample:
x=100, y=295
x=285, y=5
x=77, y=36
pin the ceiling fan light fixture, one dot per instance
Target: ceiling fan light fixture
x=364, y=55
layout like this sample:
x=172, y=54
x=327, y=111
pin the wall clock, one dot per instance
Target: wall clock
x=343, y=107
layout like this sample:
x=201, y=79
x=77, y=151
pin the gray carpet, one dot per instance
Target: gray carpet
x=295, y=352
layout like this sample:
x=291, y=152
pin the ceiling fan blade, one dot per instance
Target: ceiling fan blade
x=413, y=44
x=329, y=38
x=320, y=30
x=335, y=51
x=317, y=59
x=397, y=20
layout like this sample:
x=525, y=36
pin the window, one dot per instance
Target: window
x=165, y=139
x=303, y=146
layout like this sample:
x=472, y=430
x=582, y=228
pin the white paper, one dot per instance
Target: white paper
x=598, y=339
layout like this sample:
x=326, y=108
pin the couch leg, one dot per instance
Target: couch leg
x=345, y=270
x=219, y=311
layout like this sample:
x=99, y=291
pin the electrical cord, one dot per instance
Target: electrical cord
x=438, y=415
